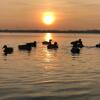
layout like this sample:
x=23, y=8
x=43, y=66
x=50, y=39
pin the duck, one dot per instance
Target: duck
x=52, y=46
x=46, y=42
x=7, y=50
x=98, y=45
x=33, y=44
x=25, y=47
x=78, y=43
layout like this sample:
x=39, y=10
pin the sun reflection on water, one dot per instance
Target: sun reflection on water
x=49, y=59
x=48, y=36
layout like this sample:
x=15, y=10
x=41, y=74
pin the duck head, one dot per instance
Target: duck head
x=5, y=46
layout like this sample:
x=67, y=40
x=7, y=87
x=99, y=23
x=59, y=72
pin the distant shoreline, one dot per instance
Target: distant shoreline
x=51, y=31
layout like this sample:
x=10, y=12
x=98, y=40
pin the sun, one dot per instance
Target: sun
x=48, y=18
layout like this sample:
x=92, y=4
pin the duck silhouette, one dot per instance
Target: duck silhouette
x=46, y=42
x=7, y=50
x=52, y=46
x=98, y=45
x=33, y=44
x=25, y=47
x=78, y=43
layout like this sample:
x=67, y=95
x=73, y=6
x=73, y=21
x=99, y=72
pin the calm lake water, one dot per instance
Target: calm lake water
x=50, y=74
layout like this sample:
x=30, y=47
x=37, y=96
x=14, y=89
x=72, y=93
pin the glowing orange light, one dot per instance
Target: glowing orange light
x=48, y=36
x=48, y=18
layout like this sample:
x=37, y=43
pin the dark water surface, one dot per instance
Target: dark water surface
x=50, y=74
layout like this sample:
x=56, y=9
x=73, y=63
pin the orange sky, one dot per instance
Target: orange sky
x=69, y=14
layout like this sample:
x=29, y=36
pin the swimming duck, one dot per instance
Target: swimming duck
x=46, y=42
x=25, y=47
x=77, y=43
x=98, y=45
x=7, y=50
x=52, y=46
x=33, y=44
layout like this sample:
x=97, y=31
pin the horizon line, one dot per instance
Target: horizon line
x=51, y=30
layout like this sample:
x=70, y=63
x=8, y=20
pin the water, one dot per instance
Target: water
x=50, y=74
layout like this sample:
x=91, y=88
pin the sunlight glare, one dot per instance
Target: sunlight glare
x=48, y=36
x=48, y=18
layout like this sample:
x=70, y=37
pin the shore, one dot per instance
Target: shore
x=50, y=31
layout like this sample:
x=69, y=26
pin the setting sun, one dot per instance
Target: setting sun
x=48, y=18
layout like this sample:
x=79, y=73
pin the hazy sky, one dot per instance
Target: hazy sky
x=70, y=14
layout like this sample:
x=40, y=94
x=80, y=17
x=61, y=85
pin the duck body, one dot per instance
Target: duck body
x=52, y=46
x=7, y=50
x=77, y=43
x=32, y=44
x=45, y=42
x=25, y=47
x=98, y=45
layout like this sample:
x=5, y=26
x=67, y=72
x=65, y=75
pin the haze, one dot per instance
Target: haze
x=70, y=14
